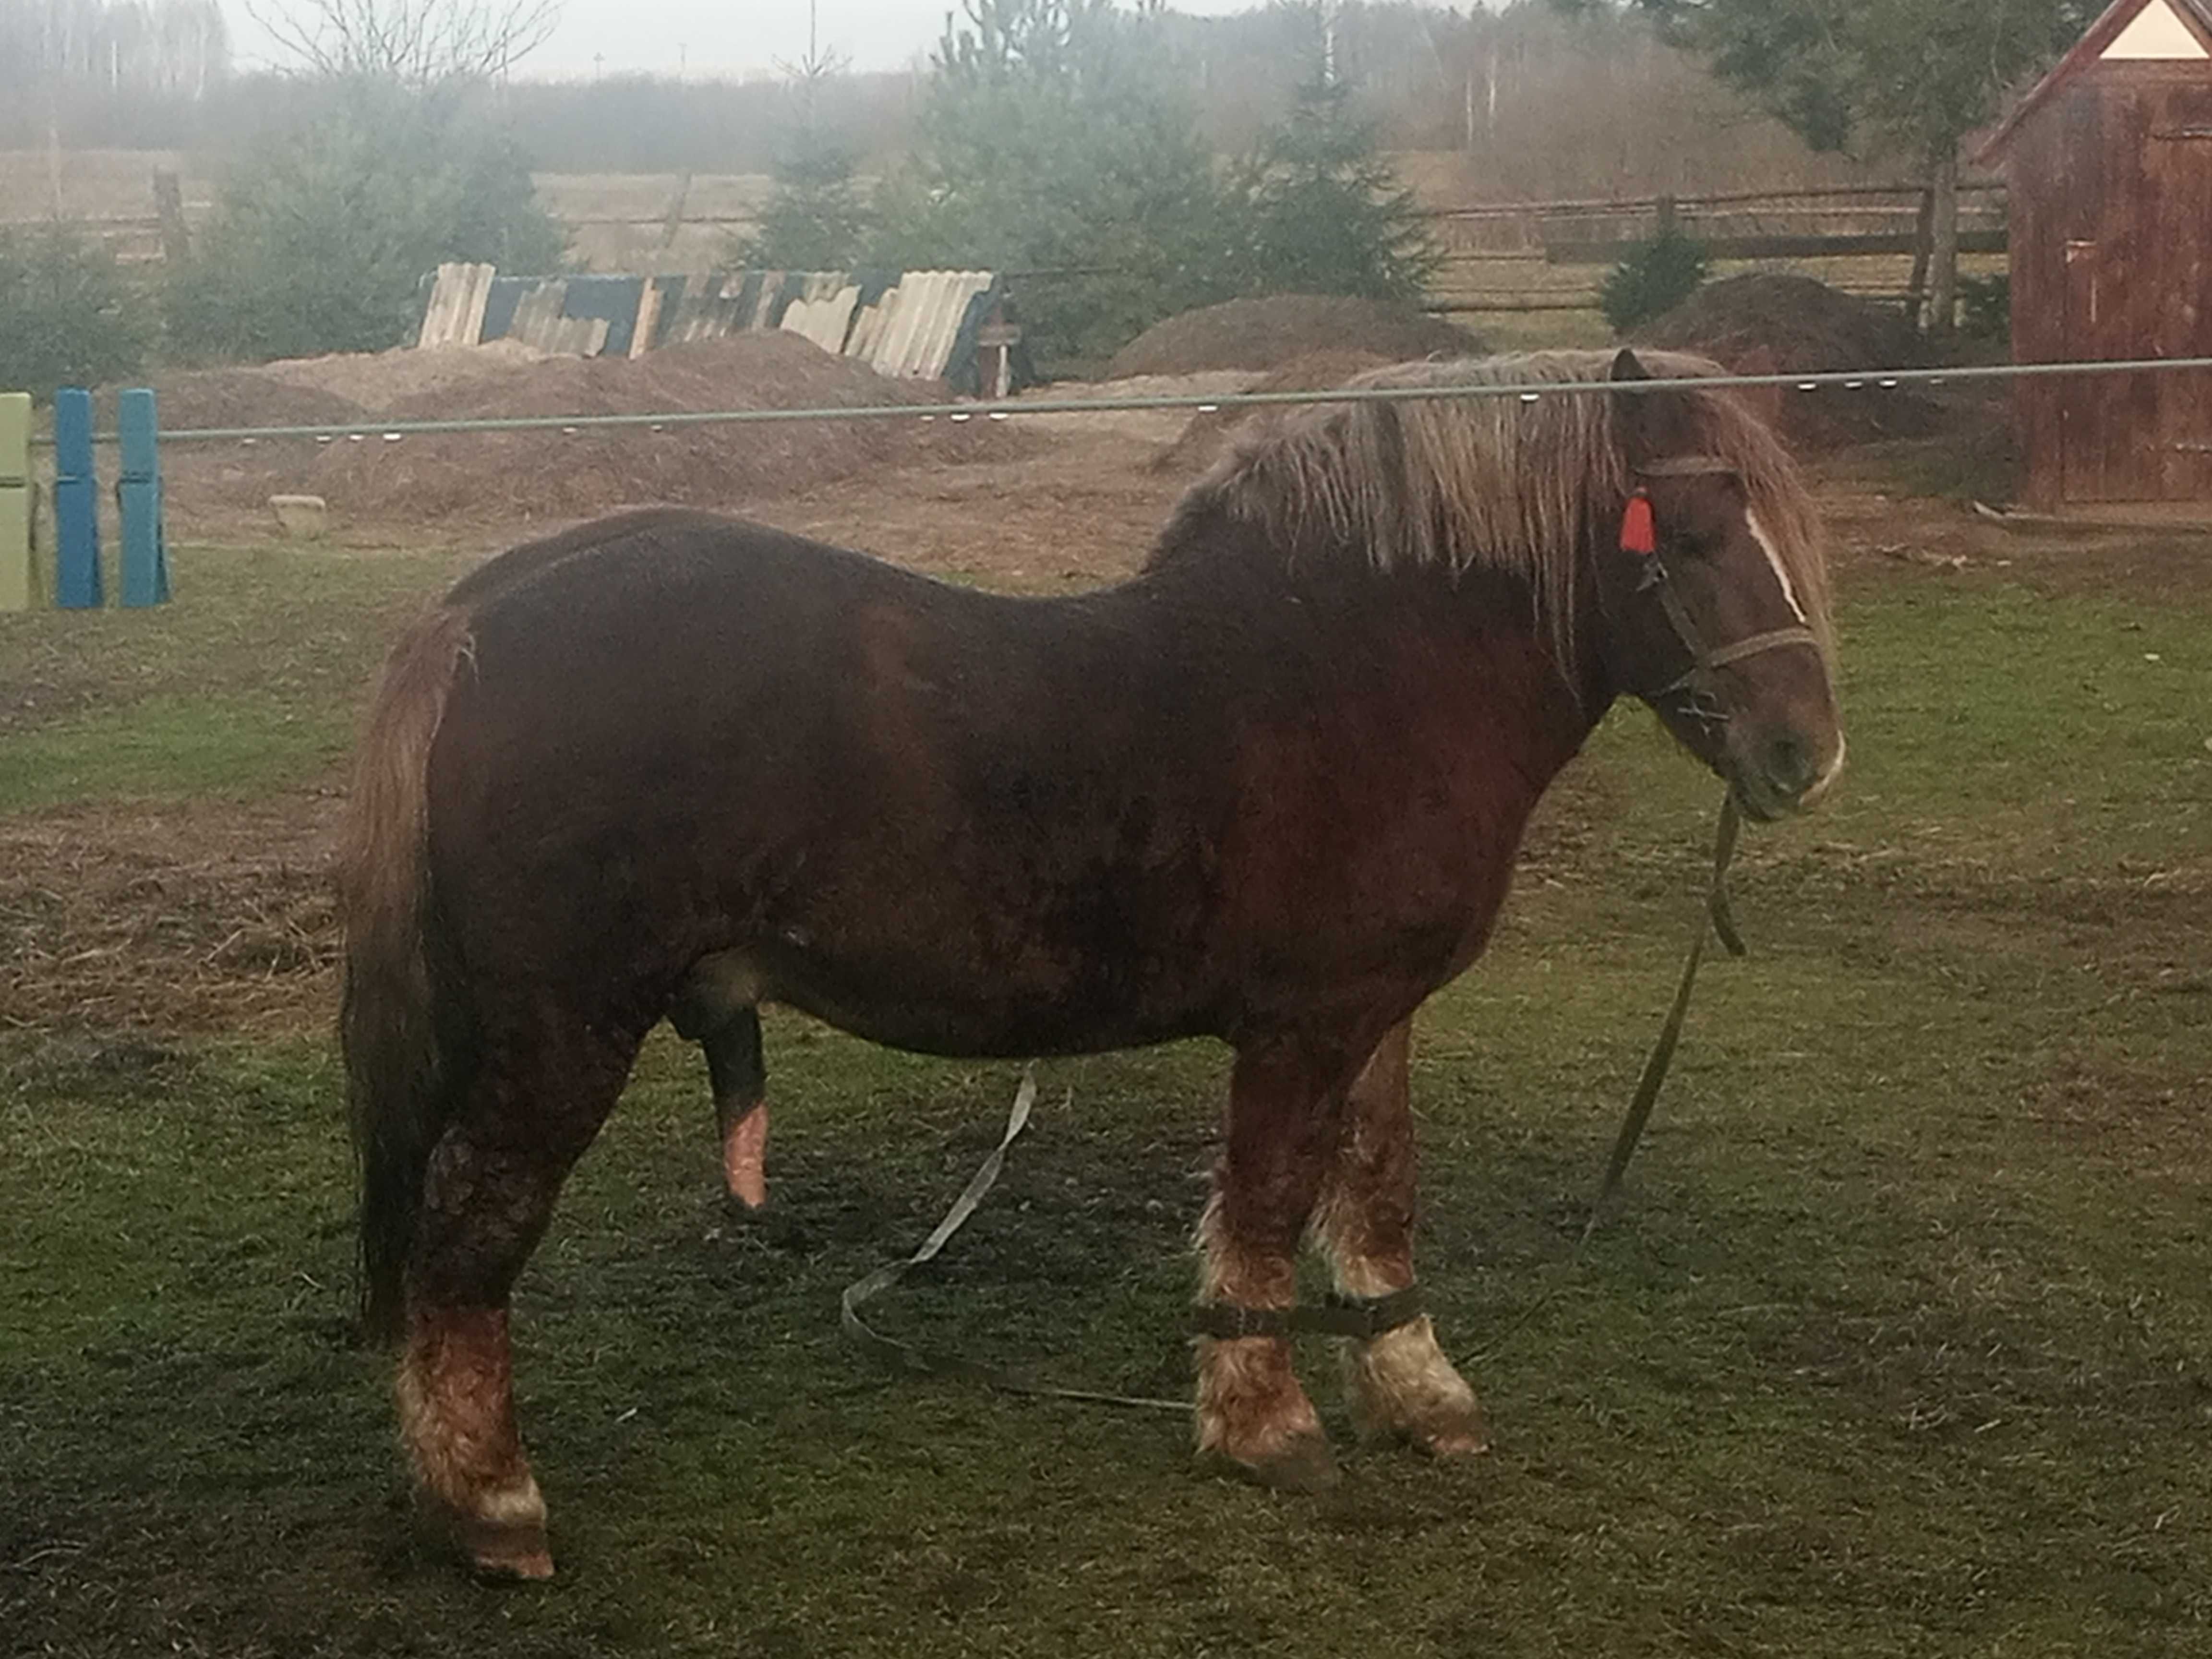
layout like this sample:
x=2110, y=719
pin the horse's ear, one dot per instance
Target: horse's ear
x=1652, y=425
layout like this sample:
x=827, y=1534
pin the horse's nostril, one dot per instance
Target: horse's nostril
x=1790, y=765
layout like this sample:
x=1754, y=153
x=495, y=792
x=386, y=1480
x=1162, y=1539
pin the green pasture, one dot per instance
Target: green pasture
x=1900, y=1345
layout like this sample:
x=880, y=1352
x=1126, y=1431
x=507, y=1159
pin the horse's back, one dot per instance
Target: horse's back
x=503, y=572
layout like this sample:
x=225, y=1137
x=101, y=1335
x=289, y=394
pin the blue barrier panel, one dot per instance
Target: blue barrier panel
x=77, y=584
x=17, y=580
x=145, y=548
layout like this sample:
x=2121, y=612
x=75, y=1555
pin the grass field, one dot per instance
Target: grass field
x=1901, y=1346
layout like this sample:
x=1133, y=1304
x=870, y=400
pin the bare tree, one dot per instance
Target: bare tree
x=112, y=46
x=417, y=42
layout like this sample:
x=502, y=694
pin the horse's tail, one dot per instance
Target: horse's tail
x=403, y=1073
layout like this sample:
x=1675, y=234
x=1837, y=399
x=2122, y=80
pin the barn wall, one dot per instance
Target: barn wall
x=2112, y=257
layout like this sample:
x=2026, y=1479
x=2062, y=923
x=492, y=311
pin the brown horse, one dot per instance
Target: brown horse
x=1268, y=791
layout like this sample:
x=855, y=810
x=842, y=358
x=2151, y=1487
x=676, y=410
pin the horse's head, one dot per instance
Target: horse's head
x=1709, y=613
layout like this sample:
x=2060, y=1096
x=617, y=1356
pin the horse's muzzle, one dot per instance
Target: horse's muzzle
x=1784, y=773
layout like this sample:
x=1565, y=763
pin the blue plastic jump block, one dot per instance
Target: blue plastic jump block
x=76, y=505
x=145, y=545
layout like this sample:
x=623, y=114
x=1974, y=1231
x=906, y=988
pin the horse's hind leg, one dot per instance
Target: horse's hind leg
x=1283, y=1130
x=534, y=1106
x=1403, y=1386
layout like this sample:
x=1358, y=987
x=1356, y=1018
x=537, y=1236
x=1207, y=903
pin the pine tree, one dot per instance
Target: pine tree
x=1057, y=138
x=1324, y=214
x=816, y=218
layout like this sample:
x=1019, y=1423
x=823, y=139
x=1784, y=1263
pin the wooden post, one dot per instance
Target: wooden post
x=145, y=548
x=1943, y=248
x=77, y=585
x=16, y=582
x=1924, y=246
x=169, y=208
x=677, y=204
x=994, y=355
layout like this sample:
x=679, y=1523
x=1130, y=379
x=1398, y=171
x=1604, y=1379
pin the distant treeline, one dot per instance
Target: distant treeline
x=1537, y=104
x=85, y=63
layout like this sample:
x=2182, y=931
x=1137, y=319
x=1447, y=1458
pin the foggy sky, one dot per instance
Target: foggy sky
x=712, y=37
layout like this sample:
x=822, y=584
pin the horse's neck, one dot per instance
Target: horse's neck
x=1457, y=656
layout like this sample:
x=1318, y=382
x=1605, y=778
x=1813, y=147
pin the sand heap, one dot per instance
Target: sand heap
x=196, y=399
x=1770, y=324
x=1272, y=332
x=550, y=475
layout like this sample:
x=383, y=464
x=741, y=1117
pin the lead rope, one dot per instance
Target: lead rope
x=926, y=1362
x=1718, y=920
x=1715, y=920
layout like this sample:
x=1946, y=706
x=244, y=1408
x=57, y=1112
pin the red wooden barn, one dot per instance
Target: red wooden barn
x=2110, y=165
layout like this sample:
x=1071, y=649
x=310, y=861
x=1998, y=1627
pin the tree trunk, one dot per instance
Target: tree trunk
x=1944, y=247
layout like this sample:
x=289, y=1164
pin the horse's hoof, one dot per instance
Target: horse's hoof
x=1304, y=1463
x=1403, y=1389
x=1448, y=1429
x=1470, y=1439
x=507, y=1552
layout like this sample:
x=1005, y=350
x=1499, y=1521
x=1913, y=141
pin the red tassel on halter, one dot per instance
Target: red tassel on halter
x=1638, y=532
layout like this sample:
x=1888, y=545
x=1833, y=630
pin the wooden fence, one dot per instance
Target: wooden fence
x=1549, y=255
x=1500, y=258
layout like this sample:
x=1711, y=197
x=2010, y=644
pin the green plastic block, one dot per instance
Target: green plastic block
x=16, y=586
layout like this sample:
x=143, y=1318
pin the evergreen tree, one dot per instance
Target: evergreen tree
x=815, y=219
x=1322, y=212
x=1056, y=139
x=1653, y=278
x=67, y=315
x=322, y=235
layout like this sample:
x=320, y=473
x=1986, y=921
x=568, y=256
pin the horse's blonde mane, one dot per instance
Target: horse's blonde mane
x=1499, y=483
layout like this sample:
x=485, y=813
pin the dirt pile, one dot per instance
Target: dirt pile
x=549, y=475
x=1775, y=324
x=1271, y=331
x=378, y=380
x=1209, y=431
x=195, y=399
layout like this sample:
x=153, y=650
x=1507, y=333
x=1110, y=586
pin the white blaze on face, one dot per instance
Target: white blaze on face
x=1781, y=571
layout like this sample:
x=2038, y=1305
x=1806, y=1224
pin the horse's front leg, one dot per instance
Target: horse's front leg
x=1401, y=1385
x=1284, y=1115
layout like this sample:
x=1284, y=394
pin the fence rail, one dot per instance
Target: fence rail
x=1500, y=257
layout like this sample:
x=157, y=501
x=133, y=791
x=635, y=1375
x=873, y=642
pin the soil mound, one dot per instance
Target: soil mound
x=1273, y=331
x=1776, y=324
x=203, y=397
x=552, y=475
x=1210, y=430
x=378, y=380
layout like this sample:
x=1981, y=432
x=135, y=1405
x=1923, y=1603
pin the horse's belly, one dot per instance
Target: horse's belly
x=978, y=1016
